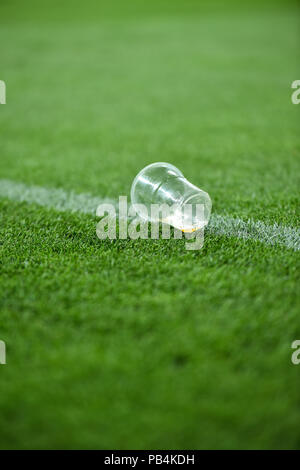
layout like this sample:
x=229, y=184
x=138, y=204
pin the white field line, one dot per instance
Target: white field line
x=230, y=227
x=59, y=199
x=255, y=230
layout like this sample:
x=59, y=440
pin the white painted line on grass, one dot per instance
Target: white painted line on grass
x=54, y=198
x=230, y=227
x=255, y=230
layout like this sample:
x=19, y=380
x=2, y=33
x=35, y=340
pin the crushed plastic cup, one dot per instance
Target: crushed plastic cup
x=161, y=193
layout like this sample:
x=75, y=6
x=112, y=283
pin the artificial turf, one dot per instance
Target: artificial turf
x=142, y=344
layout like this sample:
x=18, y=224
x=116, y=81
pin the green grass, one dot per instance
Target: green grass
x=142, y=344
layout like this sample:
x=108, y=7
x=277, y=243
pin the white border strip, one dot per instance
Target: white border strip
x=58, y=199
x=230, y=227
x=255, y=230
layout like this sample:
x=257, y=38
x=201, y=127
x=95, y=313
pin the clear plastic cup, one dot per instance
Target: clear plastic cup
x=162, y=184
